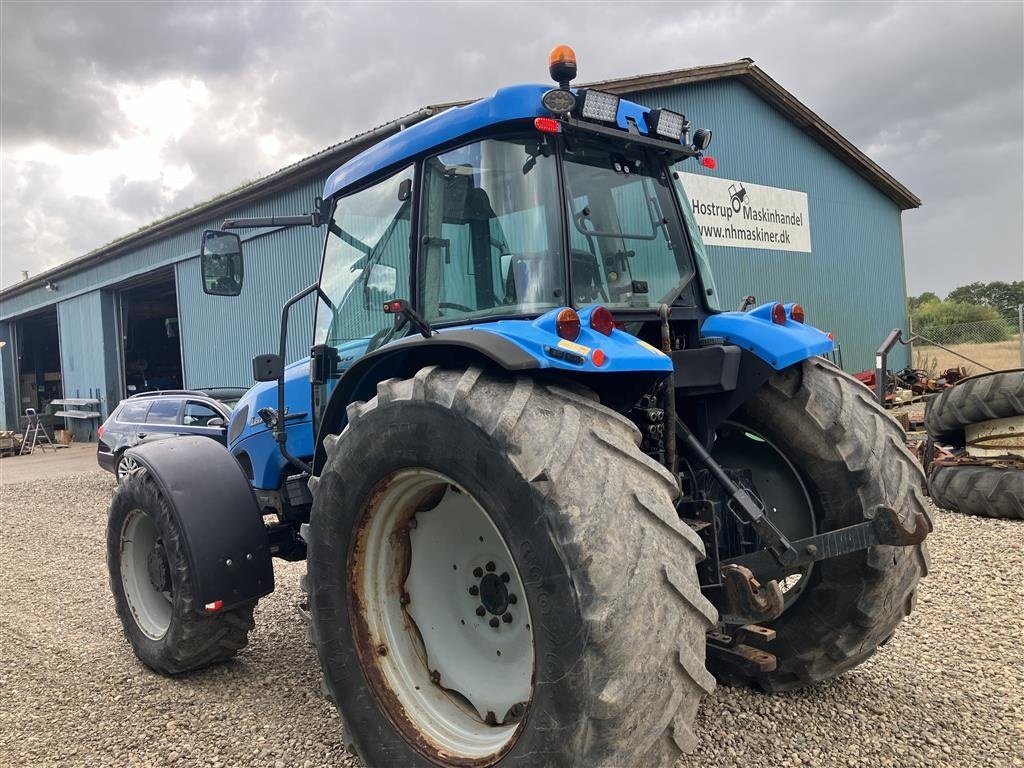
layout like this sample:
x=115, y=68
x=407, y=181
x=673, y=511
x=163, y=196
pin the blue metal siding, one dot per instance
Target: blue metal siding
x=87, y=338
x=8, y=392
x=221, y=334
x=852, y=283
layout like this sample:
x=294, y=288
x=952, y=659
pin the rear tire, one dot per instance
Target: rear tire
x=161, y=620
x=608, y=570
x=851, y=457
x=979, y=490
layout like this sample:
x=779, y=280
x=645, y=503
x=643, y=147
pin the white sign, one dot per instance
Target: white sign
x=742, y=215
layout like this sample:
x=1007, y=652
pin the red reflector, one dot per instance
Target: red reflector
x=568, y=323
x=216, y=605
x=547, y=125
x=708, y=162
x=779, y=314
x=831, y=337
x=601, y=320
x=99, y=432
x=598, y=357
x=797, y=313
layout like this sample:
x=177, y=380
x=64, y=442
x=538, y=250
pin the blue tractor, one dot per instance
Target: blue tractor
x=547, y=491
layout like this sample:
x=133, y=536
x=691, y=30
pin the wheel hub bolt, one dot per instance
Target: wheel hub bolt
x=505, y=577
x=480, y=610
x=512, y=599
x=478, y=572
x=490, y=566
x=507, y=618
x=474, y=590
x=494, y=622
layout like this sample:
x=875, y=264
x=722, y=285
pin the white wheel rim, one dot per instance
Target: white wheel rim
x=430, y=560
x=126, y=467
x=150, y=605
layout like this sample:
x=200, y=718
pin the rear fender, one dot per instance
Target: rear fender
x=778, y=345
x=217, y=514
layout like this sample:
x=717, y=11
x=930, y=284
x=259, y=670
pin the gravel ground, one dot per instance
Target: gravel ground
x=948, y=690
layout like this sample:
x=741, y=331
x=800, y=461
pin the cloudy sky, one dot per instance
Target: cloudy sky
x=116, y=114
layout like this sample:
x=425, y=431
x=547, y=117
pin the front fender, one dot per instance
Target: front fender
x=220, y=522
x=778, y=345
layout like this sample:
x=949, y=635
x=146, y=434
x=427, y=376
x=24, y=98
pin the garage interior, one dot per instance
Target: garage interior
x=38, y=351
x=151, y=345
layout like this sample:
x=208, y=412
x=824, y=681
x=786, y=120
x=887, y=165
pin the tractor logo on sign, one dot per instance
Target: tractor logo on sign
x=737, y=195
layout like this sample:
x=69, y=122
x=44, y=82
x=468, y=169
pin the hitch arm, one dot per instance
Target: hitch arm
x=885, y=528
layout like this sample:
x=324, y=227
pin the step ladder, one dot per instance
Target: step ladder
x=35, y=434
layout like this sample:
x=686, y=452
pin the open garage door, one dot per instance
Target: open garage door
x=38, y=356
x=151, y=345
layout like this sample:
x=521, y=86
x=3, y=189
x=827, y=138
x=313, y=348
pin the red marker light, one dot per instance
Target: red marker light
x=708, y=162
x=216, y=605
x=779, y=314
x=568, y=324
x=831, y=337
x=99, y=432
x=796, y=313
x=598, y=358
x=601, y=320
x=547, y=125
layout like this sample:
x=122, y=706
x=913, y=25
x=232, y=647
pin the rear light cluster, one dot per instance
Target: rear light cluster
x=779, y=314
x=796, y=314
x=568, y=326
x=568, y=323
x=99, y=432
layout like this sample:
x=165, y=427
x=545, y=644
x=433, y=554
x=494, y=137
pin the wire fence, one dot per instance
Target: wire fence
x=977, y=346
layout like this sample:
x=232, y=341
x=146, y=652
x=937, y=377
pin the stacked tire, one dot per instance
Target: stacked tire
x=985, y=486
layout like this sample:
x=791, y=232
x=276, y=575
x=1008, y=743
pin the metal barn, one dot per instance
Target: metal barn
x=793, y=212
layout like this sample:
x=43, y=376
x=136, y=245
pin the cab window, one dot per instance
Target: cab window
x=491, y=234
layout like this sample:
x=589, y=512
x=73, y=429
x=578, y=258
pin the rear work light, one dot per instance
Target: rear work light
x=559, y=101
x=666, y=123
x=568, y=324
x=598, y=105
x=779, y=314
x=601, y=320
x=796, y=314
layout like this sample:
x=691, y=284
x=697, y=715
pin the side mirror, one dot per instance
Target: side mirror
x=267, y=367
x=220, y=258
x=216, y=421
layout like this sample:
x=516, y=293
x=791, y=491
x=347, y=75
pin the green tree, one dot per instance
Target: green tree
x=913, y=302
x=954, y=322
x=1003, y=297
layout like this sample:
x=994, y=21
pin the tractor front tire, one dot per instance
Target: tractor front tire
x=575, y=518
x=851, y=456
x=980, y=398
x=152, y=589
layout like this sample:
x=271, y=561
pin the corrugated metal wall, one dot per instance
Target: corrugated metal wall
x=852, y=283
x=221, y=334
x=8, y=391
x=88, y=352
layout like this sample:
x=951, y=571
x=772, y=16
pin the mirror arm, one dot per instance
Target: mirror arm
x=305, y=220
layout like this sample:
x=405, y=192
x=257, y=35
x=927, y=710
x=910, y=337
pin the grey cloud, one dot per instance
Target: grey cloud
x=935, y=91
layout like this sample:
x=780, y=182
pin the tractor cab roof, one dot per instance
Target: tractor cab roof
x=517, y=102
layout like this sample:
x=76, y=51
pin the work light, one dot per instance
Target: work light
x=702, y=139
x=666, y=123
x=600, y=106
x=559, y=101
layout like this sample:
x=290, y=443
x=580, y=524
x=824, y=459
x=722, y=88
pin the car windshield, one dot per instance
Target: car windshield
x=628, y=247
